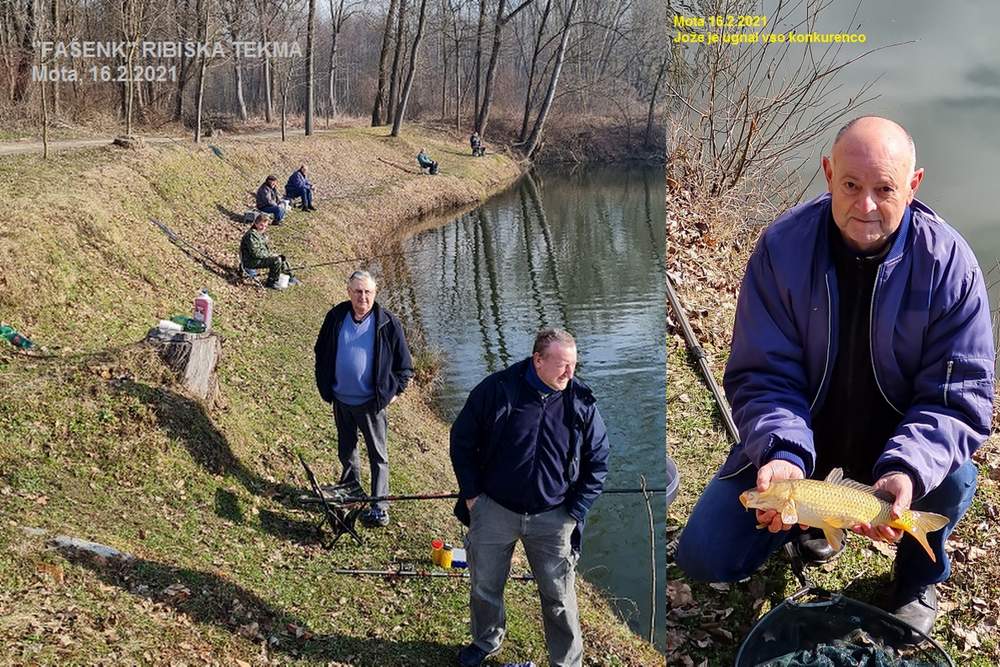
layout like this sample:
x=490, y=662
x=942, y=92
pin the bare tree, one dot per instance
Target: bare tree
x=204, y=9
x=232, y=12
x=394, y=73
x=310, y=81
x=401, y=109
x=501, y=21
x=536, y=131
x=382, y=60
x=529, y=89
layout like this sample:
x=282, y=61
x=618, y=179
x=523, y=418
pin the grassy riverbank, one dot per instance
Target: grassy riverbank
x=100, y=442
x=707, y=249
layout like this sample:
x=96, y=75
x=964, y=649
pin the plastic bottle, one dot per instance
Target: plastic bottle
x=203, y=304
x=14, y=338
x=446, y=557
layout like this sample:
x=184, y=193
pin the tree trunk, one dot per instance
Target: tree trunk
x=394, y=74
x=56, y=32
x=536, y=131
x=491, y=72
x=203, y=65
x=531, y=73
x=382, y=58
x=478, y=65
x=45, y=123
x=268, y=74
x=26, y=55
x=182, y=70
x=401, y=109
x=444, y=63
x=652, y=103
x=310, y=82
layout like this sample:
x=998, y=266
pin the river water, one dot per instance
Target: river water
x=582, y=250
x=942, y=82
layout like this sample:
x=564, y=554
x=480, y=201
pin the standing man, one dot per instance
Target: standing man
x=362, y=365
x=530, y=452
x=267, y=199
x=862, y=341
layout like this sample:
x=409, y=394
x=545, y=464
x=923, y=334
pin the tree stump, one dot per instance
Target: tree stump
x=129, y=142
x=193, y=356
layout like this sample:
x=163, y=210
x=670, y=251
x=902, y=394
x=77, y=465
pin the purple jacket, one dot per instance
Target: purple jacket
x=931, y=339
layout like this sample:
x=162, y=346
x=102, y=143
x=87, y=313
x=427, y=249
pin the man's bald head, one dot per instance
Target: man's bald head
x=871, y=177
x=865, y=129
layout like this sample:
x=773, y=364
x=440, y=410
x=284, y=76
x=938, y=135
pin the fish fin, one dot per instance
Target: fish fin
x=835, y=476
x=922, y=523
x=835, y=536
x=788, y=513
x=837, y=522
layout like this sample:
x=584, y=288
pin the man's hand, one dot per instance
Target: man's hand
x=469, y=502
x=775, y=471
x=899, y=485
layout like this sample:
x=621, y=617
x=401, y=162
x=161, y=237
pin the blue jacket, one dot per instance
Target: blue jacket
x=296, y=184
x=931, y=345
x=392, y=366
x=476, y=432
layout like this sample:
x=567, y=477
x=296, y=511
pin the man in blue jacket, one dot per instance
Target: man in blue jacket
x=862, y=341
x=299, y=186
x=362, y=365
x=530, y=452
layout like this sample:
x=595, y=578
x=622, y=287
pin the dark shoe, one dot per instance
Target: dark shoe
x=472, y=656
x=916, y=607
x=375, y=518
x=311, y=208
x=814, y=549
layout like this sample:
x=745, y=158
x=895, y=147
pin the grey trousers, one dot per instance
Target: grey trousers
x=493, y=532
x=349, y=419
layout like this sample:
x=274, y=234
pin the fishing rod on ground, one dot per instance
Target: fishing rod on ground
x=412, y=572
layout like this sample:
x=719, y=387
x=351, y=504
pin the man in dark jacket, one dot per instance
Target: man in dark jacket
x=362, y=366
x=267, y=199
x=862, y=341
x=530, y=452
x=299, y=186
x=256, y=253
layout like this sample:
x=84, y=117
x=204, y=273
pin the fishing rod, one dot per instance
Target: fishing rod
x=389, y=574
x=335, y=494
x=401, y=253
x=699, y=354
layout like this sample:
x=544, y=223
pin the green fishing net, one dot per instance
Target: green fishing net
x=819, y=629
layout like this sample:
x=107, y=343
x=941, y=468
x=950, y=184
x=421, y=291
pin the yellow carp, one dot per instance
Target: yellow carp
x=837, y=503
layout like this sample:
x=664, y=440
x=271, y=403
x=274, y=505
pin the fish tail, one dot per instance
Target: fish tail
x=919, y=525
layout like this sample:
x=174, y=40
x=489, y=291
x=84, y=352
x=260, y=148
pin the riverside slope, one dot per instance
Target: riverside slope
x=100, y=443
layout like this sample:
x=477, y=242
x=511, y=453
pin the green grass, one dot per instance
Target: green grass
x=101, y=443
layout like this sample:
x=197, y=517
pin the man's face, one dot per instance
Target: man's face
x=261, y=224
x=361, y=291
x=871, y=184
x=271, y=184
x=555, y=367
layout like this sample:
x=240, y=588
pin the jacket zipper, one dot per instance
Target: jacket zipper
x=871, y=339
x=947, y=380
x=826, y=363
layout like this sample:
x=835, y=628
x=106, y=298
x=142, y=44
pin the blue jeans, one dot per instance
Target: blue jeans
x=276, y=211
x=721, y=541
x=306, y=194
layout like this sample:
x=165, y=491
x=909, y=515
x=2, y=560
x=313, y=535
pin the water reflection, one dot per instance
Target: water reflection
x=580, y=250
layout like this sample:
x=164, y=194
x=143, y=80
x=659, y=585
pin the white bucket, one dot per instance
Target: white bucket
x=282, y=281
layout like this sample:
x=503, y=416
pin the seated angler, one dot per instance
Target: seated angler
x=256, y=253
x=476, y=142
x=268, y=200
x=299, y=186
x=427, y=165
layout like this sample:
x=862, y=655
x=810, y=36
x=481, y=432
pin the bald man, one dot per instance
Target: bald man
x=862, y=341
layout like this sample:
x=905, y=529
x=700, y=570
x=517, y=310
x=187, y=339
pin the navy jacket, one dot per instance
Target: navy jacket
x=392, y=366
x=931, y=345
x=296, y=184
x=476, y=434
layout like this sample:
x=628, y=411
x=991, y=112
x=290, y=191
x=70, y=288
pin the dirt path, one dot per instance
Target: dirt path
x=20, y=148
